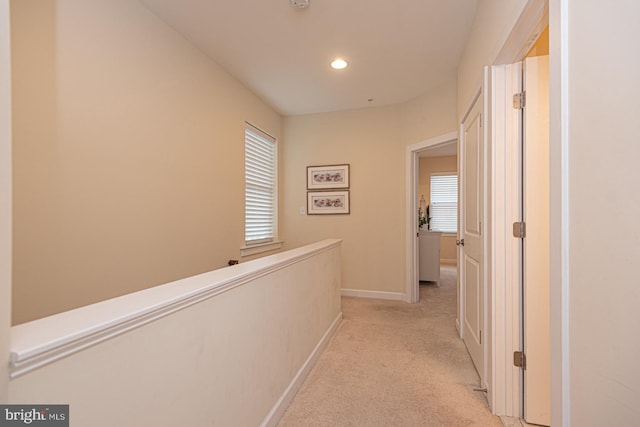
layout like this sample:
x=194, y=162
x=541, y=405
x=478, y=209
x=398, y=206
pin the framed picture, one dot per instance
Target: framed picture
x=327, y=202
x=327, y=177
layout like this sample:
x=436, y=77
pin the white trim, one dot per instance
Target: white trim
x=448, y=261
x=484, y=227
x=411, y=224
x=43, y=341
x=360, y=293
x=411, y=212
x=525, y=31
x=278, y=410
x=260, y=248
x=559, y=212
x=505, y=322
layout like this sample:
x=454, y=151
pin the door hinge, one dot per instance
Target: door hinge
x=519, y=359
x=519, y=100
x=519, y=230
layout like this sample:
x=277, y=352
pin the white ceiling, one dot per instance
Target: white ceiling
x=397, y=50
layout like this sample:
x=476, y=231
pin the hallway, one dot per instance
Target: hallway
x=395, y=364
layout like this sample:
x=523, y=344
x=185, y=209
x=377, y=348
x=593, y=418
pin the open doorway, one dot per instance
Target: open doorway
x=442, y=146
x=437, y=211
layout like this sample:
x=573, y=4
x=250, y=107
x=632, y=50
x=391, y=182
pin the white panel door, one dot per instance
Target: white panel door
x=471, y=210
x=537, y=389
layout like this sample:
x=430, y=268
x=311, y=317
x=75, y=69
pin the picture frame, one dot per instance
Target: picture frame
x=327, y=177
x=328, y=203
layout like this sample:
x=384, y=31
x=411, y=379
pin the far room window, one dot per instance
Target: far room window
x=444, y=203
x=260, y=186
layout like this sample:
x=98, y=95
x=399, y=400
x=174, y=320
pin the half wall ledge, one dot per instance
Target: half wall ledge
x=43, y=341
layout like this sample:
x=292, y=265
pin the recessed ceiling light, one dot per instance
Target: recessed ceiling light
x=339, y=64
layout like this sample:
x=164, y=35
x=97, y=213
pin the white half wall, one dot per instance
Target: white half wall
x=229, y=347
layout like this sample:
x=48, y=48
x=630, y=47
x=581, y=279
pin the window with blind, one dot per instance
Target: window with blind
x=260, y=187
x=444, y=203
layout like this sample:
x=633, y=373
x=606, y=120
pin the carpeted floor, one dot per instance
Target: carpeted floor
x=394, y=364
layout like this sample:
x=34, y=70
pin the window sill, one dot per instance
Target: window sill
x=260, y=248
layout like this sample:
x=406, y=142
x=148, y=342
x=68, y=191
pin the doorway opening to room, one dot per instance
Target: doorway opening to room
x=503, y=375
x=437, y=212
x=431, y=212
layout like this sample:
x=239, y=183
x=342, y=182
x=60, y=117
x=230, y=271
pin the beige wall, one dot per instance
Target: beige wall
x=133, y=176
x=428, y=166
x=429, y=115
x=5, y=198
x=603, y=269
x=128, y=154
x=373, y=141
x=492, y=24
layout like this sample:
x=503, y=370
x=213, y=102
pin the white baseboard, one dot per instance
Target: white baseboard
x=395, y=296
x=448, y=261
x=278, y=410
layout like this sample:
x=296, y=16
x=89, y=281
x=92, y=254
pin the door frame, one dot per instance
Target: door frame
x=411, y=212
x=505, y=388
x=505, y=397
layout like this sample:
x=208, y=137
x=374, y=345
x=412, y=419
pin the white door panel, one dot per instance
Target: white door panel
x=472, y=305
x=471, y=162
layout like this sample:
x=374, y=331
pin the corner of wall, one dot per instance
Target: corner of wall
x=5, y=198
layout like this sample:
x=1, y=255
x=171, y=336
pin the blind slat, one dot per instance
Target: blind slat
x=260, y=181
x=444, y=203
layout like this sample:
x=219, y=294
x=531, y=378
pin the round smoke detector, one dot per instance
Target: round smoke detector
x=300, y=4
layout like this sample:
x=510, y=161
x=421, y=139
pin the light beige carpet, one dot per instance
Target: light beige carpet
x=394, y=364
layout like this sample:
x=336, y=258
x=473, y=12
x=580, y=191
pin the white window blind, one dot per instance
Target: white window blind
x=444, y=203
x=260, y=187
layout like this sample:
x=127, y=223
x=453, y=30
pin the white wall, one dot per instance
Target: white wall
x=228, y=360
x=128, y=154
x=373, y=142
x=604, y=207
x=5, y=197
